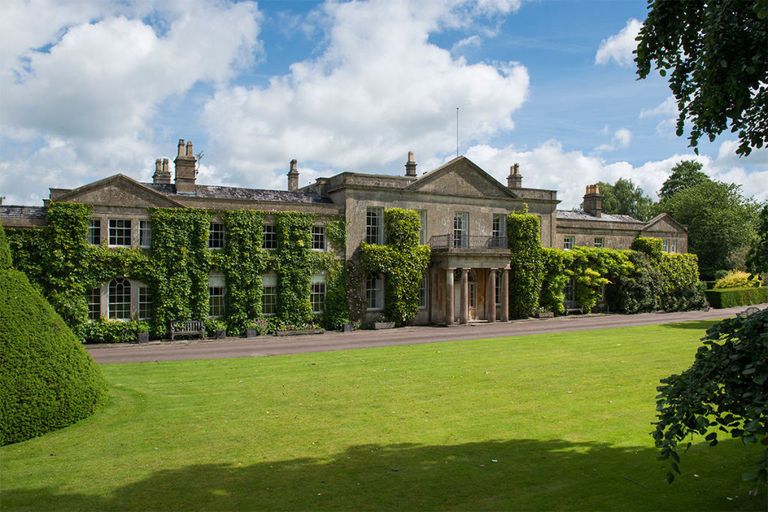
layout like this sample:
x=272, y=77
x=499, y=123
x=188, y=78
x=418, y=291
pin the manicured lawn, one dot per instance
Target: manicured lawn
x=545, y=422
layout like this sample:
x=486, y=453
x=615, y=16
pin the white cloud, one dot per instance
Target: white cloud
x=667, y=111
x=621, y=139
x=619, y=47
x=473, y=41
x=379, y=89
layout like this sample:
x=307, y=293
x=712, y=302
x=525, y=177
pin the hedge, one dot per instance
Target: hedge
x=47, y=380
x=730, y=297
x=526, y=264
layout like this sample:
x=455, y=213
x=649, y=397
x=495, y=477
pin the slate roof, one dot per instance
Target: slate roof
x=250, y=194
x=22, y=212
x=605, y=217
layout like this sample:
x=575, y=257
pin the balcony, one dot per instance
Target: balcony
x=453, y=243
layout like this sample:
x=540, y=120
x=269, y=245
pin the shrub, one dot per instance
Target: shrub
x=526, y=266
x=47, y=380
x=5, y=252
x=113, y=331
x=653, y=247
x=679, y=283
x=737, y=279
x=638, y=291
x=730, y=297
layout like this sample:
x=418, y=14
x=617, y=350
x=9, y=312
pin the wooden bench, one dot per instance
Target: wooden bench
x=571, y=307
x=186, y=328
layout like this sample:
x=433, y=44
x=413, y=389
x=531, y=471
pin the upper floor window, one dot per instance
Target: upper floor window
x=269, y=294
x=216, y=236
x=374, y=291
x=423, y=230
x=318, y=238
x=145, y=233
x=216, y=293
x=374, y=226
x=120, y=232
x=270, y=236
x=120, y=299
x=461, y=229
x=317, y=293
x=599, y=242
x=499, y=231
x=94, y=231
x=569, y=242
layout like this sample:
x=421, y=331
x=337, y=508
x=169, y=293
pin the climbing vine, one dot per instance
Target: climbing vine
x=526, y=267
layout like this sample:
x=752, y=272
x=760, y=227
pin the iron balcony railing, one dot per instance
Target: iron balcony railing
x=456, y=243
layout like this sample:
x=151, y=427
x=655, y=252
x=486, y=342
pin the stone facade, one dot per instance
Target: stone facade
x=463, y=211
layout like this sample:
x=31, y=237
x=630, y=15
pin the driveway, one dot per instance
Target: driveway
x=271, y=345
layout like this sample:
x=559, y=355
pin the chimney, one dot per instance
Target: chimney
x=410, y=166
x=185, y=168
x=593, y=201
x=514, y=180
x=293, y=177
x=162, y=175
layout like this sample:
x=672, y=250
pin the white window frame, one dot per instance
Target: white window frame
x=144, y=307
x=374, y=234
x=119, y=228
x=145, y=234
x=601, y=243
x=94, y=231
x=271, y=230
x=318, y=238
x=217, y=289
x=94, y=303
x=460, y=230
x=499, y=230
x=569, y=242
x=115, y=312
x=216, y=236
x=374, y=295
x=317, y=293
x=269, y=282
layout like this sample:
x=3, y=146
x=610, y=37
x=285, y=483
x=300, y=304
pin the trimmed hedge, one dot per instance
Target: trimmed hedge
x=653, y=247
x=730, y=297
x=47, y=379
x=526, y=264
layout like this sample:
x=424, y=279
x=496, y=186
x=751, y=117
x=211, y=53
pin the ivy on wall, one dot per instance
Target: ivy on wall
x=402, y=261
x=294, y=265
x=526, y=269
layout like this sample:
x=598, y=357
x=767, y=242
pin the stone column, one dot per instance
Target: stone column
x=491, y=296
x=505, y=295
x=449, y=296
x=464, y=312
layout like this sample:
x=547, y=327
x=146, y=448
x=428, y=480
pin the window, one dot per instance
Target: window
x=318, y=238
x=269, y=294
x=216, y=236
x=94, y=304
x=569, y=242
x=461, y=229
x=374, y=292
x=317, y=293
x=216, y=292
x=423, y=292
x=145, y=303
x=374, y=230
x=499, y=231
x=670, y=245
x=120, y=232
x=423, y=230
x=599, y=243
x=270, y=236
x=145, y=234
x=94, y=231
x=120, y=299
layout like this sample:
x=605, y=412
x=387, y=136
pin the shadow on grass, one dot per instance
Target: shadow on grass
x=494, y=475
x=698, y=325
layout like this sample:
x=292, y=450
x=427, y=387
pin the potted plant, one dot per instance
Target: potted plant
x=251, y=329
x=381, y=323
x=216, y=328
x=544, y=313
x=142, y=332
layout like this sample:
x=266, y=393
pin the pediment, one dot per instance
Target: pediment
x=119, y=190
x=461, y=177
x=664, y=223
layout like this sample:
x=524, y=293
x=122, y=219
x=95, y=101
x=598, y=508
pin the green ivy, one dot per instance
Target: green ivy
x=294, y=266
x=526, y=266
x=402, y=261
x=556, y=263
x=651, y=246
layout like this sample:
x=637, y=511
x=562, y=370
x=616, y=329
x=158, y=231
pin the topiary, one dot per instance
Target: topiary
x=47, y=379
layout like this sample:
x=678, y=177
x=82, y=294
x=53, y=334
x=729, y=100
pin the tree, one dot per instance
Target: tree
x=685, y=174
x=725, y=390
x=757, y=261
x=624, y=197
x=721, y=223
x=716, y=54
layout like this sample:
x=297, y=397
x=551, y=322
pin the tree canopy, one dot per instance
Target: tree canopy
x=716, y=55
x=757, y=261
x=685, y=174
x=626, y=198
x=721, y=223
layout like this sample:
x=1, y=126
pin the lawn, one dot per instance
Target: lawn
x=542, y=422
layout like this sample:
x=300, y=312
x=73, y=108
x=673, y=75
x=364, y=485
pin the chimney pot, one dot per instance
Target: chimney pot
x=410, y=166
x=181, y=148
x=186, y=173
x=514, y=180
x=293, y=176
x=593, y=201
x=189, y=149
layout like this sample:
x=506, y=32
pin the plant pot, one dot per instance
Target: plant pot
x=251, y=333
x=545, y=314
x=348, y=328
x=383, y=325
x=220, y=333
x=142, y=337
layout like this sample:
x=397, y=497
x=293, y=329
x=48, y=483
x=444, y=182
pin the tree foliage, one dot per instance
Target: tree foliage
x=725, y=391
x=685, y=174
x=526, y=265
x=757, y=260
x=716, y=55
x=721, y=223
x=626, y=198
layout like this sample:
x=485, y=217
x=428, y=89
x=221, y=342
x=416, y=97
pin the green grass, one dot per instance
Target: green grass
x=544, y=422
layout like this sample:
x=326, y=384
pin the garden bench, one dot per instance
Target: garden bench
x=187, y=327
x=573, y=307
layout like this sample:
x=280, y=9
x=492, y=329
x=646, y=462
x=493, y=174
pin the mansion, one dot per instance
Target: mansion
x=463, y=212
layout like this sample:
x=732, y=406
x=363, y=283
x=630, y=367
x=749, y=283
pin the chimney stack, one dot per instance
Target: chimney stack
x=410, y=166
x=186, y=172
x=593, y=201
x=514, y=180
x=293, y=177
x=162, y=175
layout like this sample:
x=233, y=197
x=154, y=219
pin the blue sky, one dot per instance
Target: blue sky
x=89, y=88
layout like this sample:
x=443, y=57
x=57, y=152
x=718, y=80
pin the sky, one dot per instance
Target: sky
x=90, y=88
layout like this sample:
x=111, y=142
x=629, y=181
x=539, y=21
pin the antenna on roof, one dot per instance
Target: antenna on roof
x=457, y=131
x=199, y=156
